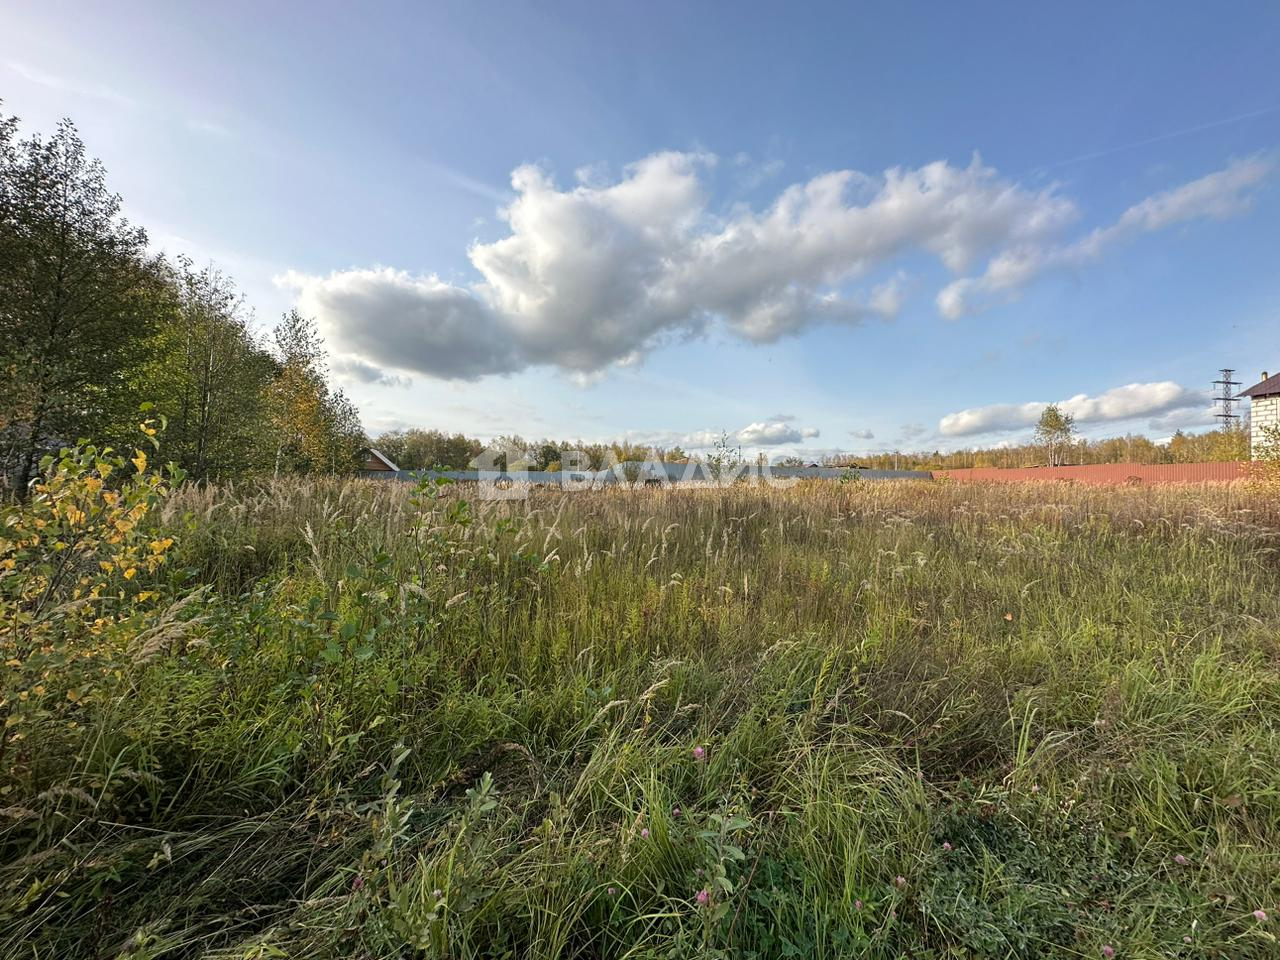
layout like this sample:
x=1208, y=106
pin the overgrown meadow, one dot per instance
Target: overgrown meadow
x=897, y=719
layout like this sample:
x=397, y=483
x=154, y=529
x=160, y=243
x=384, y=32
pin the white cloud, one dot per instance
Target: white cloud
x=774, y=433
x=1185, y=419
x=751, y=175
x=94, y=91
x=604, y=271
x=779, y=430
x=1217, y=196
x=210, y=128
x=1128, y=402
x=355, y=370
x=862, y=434
x=390, y=320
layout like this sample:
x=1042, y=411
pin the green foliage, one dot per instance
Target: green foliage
x=1265, y=472
x=91, y=326
x=1055, y=431
x=1228, y=443
x=424, y=449
x=210, y=378
x=725, y=459
x=77, y=300
x=317, y=429
x=79, y=596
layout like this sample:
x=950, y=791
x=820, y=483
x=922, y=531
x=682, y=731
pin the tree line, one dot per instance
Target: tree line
x=1055, y=442
x=421, y=449
x=94, y=327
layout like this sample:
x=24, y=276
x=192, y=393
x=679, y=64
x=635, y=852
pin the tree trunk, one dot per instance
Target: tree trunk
x=27, y=463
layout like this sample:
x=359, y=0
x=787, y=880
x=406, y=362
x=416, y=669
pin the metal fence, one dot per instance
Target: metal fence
x=646, y=472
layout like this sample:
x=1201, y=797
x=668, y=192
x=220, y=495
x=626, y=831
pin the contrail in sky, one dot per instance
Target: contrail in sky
x=1161, y=138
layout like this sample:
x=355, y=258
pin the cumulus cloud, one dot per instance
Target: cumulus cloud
x=1217, y=196
x=1185, y=419
x=1128, y=402
x=774, y=433
x=388, y=319
x=862, y=434
x=355, y=370
x=604, y=271
x=778, y=430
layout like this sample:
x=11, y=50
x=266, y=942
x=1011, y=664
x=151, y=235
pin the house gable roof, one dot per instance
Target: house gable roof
x=1266, y=388
x=384, y=458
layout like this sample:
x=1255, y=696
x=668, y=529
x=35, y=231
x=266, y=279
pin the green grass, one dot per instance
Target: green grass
x=398, y=725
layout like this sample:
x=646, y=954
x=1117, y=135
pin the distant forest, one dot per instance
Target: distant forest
x=419, y=449
x=1228, y=444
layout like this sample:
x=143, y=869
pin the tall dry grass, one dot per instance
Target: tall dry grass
x=930, y=720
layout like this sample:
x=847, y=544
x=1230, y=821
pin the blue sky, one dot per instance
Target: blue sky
x=848, y=226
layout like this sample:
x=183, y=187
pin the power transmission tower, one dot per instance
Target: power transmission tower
x=1226, y=398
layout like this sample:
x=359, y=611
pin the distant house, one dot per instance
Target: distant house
x=1264, y=411
x=377, y=462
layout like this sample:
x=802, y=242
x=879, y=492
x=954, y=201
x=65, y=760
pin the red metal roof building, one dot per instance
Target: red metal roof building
x=1106, y=473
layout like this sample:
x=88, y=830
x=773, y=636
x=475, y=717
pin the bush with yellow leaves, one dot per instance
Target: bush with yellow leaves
x=78, y=579
x=1264, y=472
